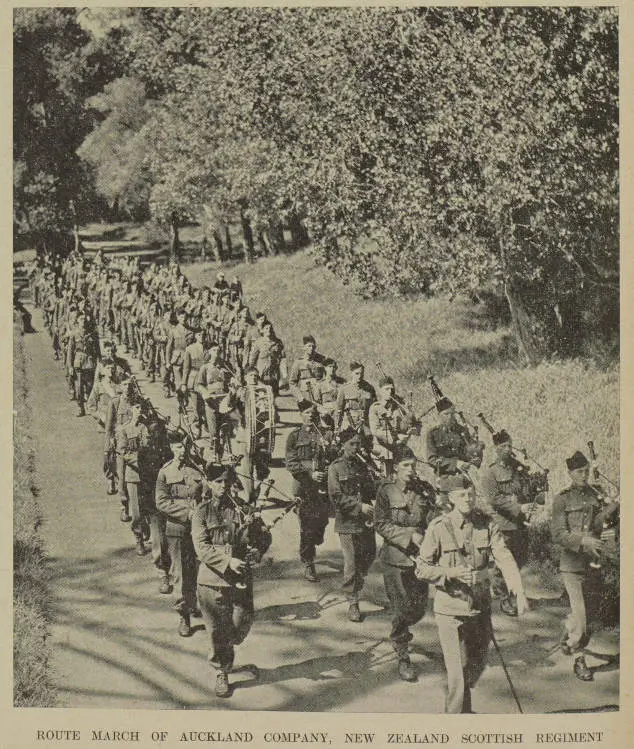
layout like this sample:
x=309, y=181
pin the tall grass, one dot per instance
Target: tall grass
x=31, y=679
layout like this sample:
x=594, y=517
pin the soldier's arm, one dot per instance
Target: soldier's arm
x=505, y=504
x=91, y=403
x=292, y=461
x=177, y=510
x=339, y=408
x=427, y=566
x=187, y=365
x=438, y=461
x=293, y=378
x=213, y=556
x=386, y=528
x=570, y=540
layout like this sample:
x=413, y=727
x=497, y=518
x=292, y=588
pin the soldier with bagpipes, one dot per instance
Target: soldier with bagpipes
x=404, y=505
x=511, y=492
x=308, y=453
x=583, y=523
x=228, y=538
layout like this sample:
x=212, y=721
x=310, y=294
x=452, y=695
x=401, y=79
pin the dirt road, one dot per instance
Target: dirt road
x=114, y=636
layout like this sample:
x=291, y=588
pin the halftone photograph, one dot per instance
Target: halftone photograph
x=316, y=360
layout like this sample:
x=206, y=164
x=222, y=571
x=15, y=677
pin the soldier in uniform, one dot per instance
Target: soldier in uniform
x=504, y=490
x=178, y=491
x=227, y=542
x=454, y=556
x=132, y=437
x=389, y=424
x=401, y=512
x=354, y=400
x=306, y=462
x=351, y=491
x=577, y=525
x=306, y=370
x=326, y=391
x=175, y=352
x=83, y=352
x=211, y=388
x=119, y=413
x=268, y=357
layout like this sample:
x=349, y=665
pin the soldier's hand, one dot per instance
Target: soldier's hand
x=462, y=465
x=417, y=538
x=591, y=545
x=463, y=574
x=237, y=565
x=367, y=509
x=318, y=476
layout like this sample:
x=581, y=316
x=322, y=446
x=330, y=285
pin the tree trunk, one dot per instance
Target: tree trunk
x=175, y=244
x=218, y=246
x=247, y=238
x=73, y=211
x=276, y=237
x=299, y=235
x=265, y=247
x=228, y=242
x=211, y=230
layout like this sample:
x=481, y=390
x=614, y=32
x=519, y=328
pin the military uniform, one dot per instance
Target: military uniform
x=326, y=392
x=400, y=512
x=218, y=536
x=388, y=428
x=211, y=388
x=304, y=447
x=304, y=371
x=578, y=512
x=83, y=352
x=266, y=356
x=463, y=612
x=446, y=445
x=131, y=439
x=177, y=343
x=178, y=490
x=349, y=486
x=353, y=405
x=502, y=489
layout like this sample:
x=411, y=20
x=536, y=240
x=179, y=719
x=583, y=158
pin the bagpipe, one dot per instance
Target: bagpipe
x=610, y=531
x=475, y=446
x=534, y=482
x=411, y=424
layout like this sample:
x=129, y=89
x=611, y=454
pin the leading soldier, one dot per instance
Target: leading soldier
x=454, y=556
x=577, y=525
x=306, y=462
x=401, y=512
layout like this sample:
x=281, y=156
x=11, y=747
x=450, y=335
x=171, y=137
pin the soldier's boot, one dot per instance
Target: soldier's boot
x=222, y=685
x=184, y=626
x=581, y=669
x=354, y=614
x=406, y=670
x=141, y=548
x=125, y=515
x=508, y=605
x=165, y=587
x=309, y=572
x=112, y=487
x=81, y=410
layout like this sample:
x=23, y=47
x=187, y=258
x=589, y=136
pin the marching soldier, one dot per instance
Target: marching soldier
x=449, y=445
x=307, y=370
x=178, y=491
x=503, y=490
x=268, y=357
x=227, y=542
x=388, y=423
x=351, y=490
x=119, y=413
x=454, y=556
x=354, y=400
x=132, y=437
x=325, y=392
x=577, y=525
x=403, y=506
x=175, y=353
x=306, y=462
x=211, y=388
x=83, y=352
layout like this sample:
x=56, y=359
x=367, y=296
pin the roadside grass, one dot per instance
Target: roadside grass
x=32, y=685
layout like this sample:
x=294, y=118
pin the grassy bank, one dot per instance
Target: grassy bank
x=552, y=409
x=32, y=685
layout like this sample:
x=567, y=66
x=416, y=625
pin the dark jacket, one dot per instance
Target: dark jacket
x=350, y=485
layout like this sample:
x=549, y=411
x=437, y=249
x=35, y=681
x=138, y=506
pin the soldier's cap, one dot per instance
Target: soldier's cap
x=345, y=435
x=443, y=404
x=217, y=471
x=305, y=405
x=175, y=436
x=578, y=460
x=403, y=453
x=354, y=365
x=328, y=362
x=385, y=381
x=499, y=438
x=309, y=339
x=448, y=484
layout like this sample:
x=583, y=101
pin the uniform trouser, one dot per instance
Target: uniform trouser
x=408, y=597
x=160, y=554
x=465, y=643
x=228, y=616
x=517, y=543
x=183, y=568
x=84, y=380
x=139, y=524
x=583, y=591
x=131, y=335
x=359, y=550
x=313, y=519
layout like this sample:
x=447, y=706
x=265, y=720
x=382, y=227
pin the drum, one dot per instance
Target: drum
x=259, y=420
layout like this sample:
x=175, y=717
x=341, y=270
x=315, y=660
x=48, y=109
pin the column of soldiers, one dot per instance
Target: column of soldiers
x=349, y=458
